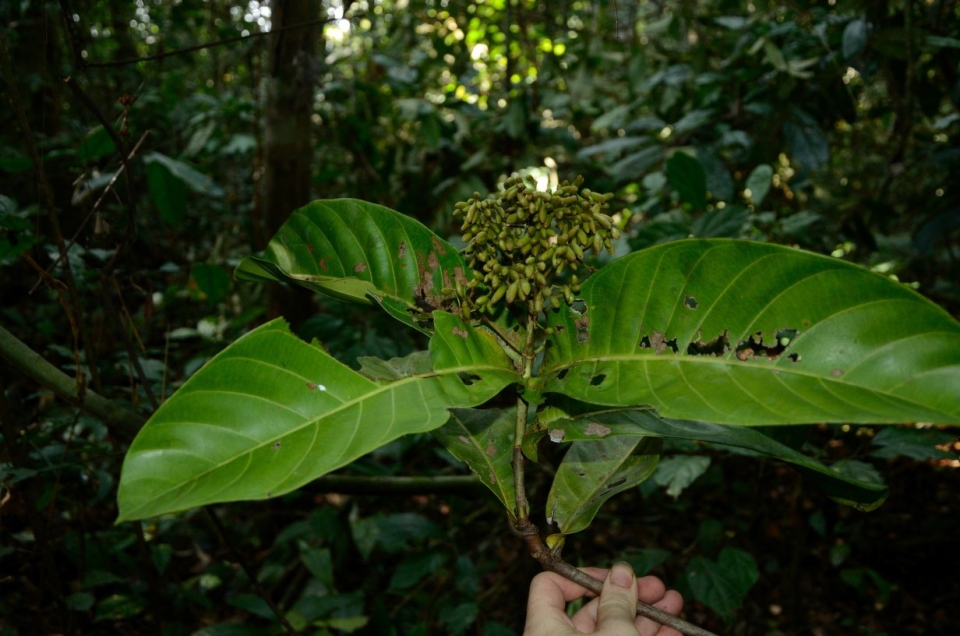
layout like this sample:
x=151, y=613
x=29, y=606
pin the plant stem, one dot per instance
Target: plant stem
x=529, y=532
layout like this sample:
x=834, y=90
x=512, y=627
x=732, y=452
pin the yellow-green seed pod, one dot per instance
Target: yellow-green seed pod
x=512, y=292
x=525, y=287
x=529, y=270
x=597, y=243
x=605, y=221
x=568, y=294
x=575, y=253
x=498, y=293
x=555, y=301
x=582, y=237
x=467, y=237
x=446, y=291
x=481, y=301
x=614, y=233
x=538, y=304
x=541, y=279
x=459, y=288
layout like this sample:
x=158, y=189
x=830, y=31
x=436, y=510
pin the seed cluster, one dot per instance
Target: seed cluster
x=521, y=240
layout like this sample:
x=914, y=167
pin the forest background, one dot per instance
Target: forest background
x=156, y=143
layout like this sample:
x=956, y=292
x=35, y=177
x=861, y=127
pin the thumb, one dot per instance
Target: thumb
x=617, y=611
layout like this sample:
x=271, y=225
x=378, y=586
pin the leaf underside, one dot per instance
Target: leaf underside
x=271, y=413
x=631, y=422
x=361, y=252
x=751, y=334
x=483, y=438
x=592, y=472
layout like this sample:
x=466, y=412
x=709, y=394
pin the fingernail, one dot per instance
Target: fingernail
x=621, y=574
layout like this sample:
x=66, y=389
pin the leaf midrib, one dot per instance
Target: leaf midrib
x=380, y=389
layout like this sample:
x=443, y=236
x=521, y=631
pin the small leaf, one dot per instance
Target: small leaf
x=167, y=192
x=188, y=175
x=414, y=568
x=483, y=438
x=391, y=533
x=688, y=178
x=807, y=144
x=592, y=472
x=759, y=183
x=678, y=472
x=722, y=586
x=212, y=280
x=919, y=444
x=854, y=37
x=95, y=144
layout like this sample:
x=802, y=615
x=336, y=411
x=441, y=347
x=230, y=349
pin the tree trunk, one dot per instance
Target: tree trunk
x=290, y=78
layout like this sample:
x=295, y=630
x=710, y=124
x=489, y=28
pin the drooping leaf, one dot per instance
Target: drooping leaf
x=271, y=413
x=483, y=438
x=749, y=334
x=364, y=253
x=866, y=495
x=688, y=178
x=592, y=472
x=213, y=280
x=187, y=174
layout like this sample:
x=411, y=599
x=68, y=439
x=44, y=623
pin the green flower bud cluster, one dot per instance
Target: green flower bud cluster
x=521, y=240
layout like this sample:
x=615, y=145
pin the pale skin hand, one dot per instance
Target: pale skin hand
x=613, y=613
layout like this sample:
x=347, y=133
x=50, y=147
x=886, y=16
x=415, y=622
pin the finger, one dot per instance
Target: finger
x=617, y=610
x=546, y=605
x=585, y=620
x=650, y=589
x=671, y=603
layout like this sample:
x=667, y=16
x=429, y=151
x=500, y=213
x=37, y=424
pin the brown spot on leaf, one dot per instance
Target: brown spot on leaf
x=360, y=267
x=836, y=373
x=403, y=250
x=491, y=450
x=492, y=477
x=464, y=439
x=595, y=428
x=438, y=245
x=310, y=247
x=459, y=276
x=557, y=435
x=582, y=324
x=311, y=386
x=323, y=264
x=432, y=261
x=457, y=331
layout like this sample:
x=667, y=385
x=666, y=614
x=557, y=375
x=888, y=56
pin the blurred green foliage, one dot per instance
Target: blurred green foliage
x=828, y=125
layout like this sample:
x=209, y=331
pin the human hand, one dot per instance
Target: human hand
x=613, y=613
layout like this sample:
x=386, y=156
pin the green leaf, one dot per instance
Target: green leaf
x=644, y=560
x=483, y=438
x=95, y=144
x=679, y=471
x=271, y=413
x=592, y=472
x=168, y=193
x=363, y=253
x=807, y=144
x=759, y=183
x=854, y=37
x=866, y=495
x=749, y=334
x=212, y=280
x=723, y=584
x=688, y=178
x=414, y=568
x=188, y=175
x=919, y=444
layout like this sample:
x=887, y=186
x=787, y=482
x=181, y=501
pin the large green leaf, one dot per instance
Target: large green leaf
x=592, y=472
x=483, y=438
x=632, y=422
x=361, y=252
x=749, y=334
x=271, y=413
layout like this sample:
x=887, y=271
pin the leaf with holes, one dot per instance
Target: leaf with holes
x=364, y=253
x=592, y=472
x=483, y=439
x=271, y=413
x=751, y=334
x=865, y=495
